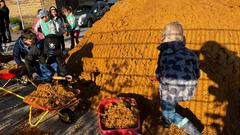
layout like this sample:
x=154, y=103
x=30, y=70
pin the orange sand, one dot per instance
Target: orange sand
x=119, y=115
x=51, y=97
x=119, y=53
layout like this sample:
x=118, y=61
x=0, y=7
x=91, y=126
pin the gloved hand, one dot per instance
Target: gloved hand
x=68, y=78
x=34, y=76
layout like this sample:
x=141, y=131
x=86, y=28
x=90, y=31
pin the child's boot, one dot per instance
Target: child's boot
x=188, y=127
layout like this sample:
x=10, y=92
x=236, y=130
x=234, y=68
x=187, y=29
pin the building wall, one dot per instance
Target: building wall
x=28, y=9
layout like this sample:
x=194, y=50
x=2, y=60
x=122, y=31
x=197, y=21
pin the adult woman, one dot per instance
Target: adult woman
x=6, y=35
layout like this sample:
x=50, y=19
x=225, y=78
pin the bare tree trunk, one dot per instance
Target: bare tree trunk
x=20, y=13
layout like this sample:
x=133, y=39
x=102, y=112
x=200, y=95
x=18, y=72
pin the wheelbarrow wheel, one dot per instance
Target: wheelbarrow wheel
x=66, y=115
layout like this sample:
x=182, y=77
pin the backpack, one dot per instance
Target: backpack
x=52, y=46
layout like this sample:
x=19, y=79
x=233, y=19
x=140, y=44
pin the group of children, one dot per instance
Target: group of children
x=41, y=54
x=50, y=22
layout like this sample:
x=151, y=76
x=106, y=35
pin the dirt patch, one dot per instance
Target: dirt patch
x=120, y=115
x=51, y=96
x=121, y=47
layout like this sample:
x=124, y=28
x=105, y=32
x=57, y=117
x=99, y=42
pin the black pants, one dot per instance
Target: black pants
x=61, y=38
x=74, y=38
x=8, y=33
x=2, y=30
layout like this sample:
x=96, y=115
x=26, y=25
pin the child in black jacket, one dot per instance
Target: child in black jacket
x=49, y=60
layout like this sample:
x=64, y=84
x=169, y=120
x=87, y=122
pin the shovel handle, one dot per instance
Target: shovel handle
x=58, y=78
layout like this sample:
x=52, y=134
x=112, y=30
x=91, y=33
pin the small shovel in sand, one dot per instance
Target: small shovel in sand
x=67, y=77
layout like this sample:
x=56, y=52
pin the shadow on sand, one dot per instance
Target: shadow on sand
x=223, y=67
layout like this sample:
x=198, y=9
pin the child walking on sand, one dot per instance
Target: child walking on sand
x=178, y=73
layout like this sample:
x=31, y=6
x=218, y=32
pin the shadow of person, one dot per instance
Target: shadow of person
x=88, y=89
x=82, y=107
x=75, y=63
x=223, y=67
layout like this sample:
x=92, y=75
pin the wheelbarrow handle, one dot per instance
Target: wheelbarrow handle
x=39, y=120
x=29, y=80
x=9, y=91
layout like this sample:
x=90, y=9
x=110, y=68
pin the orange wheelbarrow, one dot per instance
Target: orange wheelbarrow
x=65, y=114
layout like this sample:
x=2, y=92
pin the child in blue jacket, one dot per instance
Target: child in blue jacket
x=23, y=45
x=178, y=73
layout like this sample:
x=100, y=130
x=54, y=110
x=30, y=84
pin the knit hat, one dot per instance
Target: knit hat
x=42, y=13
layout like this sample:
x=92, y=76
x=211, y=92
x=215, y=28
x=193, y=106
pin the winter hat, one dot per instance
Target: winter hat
x=43, y=13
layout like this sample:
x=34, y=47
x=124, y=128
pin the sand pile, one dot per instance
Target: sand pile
x=120, y=115
x=119, y=53
x=51, y=97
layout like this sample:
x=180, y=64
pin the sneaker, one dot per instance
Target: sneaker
x=190, y=129
x=4, y=47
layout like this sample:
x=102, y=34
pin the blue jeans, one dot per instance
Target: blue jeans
x=169, y=112
x=46, y=71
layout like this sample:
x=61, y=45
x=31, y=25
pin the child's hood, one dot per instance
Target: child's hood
x=171, y=47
